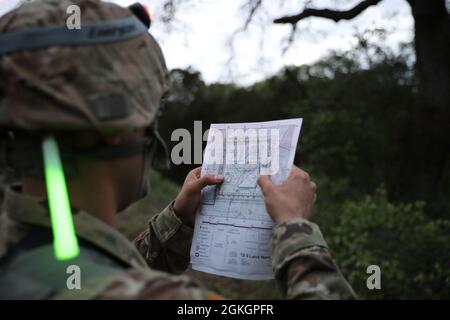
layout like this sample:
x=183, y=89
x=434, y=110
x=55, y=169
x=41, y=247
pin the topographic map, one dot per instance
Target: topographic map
x=233, y=229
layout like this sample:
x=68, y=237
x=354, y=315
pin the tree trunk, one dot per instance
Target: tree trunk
x=427, y=157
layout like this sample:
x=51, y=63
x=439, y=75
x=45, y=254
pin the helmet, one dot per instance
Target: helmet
x=109, y=76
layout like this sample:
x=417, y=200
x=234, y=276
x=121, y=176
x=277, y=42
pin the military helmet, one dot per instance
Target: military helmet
x=108, y=76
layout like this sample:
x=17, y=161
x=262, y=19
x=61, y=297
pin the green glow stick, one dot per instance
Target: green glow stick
x=65, y=241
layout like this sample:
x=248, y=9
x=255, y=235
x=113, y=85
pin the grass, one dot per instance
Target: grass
x=135, y=219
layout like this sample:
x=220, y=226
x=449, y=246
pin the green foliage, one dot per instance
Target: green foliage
x=412, y=250
x=134, y=219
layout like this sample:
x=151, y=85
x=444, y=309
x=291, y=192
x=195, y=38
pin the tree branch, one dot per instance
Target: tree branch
x=253, y=6
x=334, y=15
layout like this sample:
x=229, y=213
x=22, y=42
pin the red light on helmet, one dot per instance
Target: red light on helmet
x=143, y=12
x=149, y=11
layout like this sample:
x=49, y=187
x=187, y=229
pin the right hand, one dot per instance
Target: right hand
x=294, y=198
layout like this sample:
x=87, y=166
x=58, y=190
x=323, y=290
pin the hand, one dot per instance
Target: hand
x=294, y=198
x=187, y=201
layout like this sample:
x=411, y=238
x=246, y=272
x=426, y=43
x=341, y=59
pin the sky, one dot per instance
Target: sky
x=200, y=36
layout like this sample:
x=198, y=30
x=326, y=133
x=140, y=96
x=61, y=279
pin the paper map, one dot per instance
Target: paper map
x=233, y=229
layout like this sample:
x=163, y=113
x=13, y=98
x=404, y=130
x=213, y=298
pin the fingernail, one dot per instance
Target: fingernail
x=218, y=177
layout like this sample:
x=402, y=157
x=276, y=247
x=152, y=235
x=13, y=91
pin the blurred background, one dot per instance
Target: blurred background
x=370, y=78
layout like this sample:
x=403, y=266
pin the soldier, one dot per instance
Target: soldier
x=98, y=91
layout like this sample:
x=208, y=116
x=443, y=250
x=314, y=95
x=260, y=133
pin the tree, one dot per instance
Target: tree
x=430, y=115
x=426, y=140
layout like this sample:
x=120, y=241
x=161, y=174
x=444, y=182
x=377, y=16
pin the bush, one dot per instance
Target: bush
x=412, y=250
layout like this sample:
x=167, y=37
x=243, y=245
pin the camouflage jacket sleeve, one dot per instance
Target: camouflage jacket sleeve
x=302, y=263
x=166, y=243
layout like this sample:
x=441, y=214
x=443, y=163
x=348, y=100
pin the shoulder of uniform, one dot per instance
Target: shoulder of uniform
x=139, y=283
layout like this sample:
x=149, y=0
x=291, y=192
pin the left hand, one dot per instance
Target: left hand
x=187, y=201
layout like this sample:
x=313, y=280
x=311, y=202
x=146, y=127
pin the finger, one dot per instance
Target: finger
x=265, y=183
x=207, y=180
x=295, y=171
x=193, y=175
x=305, y=175
x=196, y=172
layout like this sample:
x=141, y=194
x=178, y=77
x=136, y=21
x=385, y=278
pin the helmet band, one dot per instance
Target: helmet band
x=90, y=33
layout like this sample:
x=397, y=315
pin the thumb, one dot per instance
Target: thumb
x=209, y=179
x=264, y=182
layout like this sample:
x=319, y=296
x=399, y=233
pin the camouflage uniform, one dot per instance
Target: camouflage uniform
x=111, y=87
x=302, y=263
x=127, y=276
